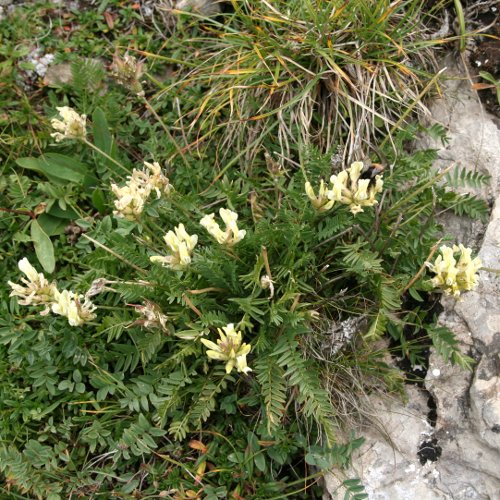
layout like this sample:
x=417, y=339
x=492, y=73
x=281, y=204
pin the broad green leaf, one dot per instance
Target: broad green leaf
x=30, y=163
x=52, y=225
x=43, y=247
x=34, y=164
x=105, y=142
x=64, y=167
x=99, y=200
x=56, y=167
x=260, y=462
x=68, y=214
x=102, y=137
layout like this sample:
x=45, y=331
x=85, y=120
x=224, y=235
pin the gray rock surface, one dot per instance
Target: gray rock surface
x=467, y=428
x=58, y=74
x=203, y=7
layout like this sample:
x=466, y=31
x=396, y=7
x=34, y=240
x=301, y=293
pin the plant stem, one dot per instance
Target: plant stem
x=103, y=153
x=422, y=267
x=165, y=128
x=112, y=252
x=29, y=213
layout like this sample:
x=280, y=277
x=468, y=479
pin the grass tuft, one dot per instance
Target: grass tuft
x=323, y=72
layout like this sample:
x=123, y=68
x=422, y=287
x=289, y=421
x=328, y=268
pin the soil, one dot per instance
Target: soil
x=429, y=451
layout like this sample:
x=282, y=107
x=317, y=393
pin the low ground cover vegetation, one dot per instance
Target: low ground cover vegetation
x=209, y=239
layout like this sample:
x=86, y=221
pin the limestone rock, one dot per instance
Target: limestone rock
x=485, y=401
x=58, y=74
x=203, y=7
x=389, y=466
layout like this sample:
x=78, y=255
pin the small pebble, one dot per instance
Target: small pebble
x=436, y=372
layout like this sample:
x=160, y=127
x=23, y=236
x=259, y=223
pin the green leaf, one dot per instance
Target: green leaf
x=377, y=326
x=99, y=200
x=260, y=461
x=52, y=225
x=102, y=137
x=57, y=211
x=64, y=167
x=56, y=167
x=43, y=247
x=415, y=295
x=34, y=164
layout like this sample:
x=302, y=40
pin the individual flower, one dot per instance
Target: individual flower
x=348, y=188
x=181, y=244
x=67, y=303
x=321, y=202
x=231, y=235
x=72, y=126
x=467, y=267
x=451, y=276
x=38, y=290
x=229, y=348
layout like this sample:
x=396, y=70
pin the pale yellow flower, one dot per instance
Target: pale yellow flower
x=451, y=276
x=37, y=289
x=339, y=188
x=350, y=190
x=132, y=197
x=130, y=200
x=467, y=267
x=67, y=303
x=231, y=235
x=156, y=180
x=208, y=222
x=229, y=348
x=72, y=125
x=320, y=202
x=181, y=244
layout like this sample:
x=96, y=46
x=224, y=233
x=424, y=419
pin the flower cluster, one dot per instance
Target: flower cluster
x=231, y=235
x=132, y=197
x=347, y=188
x=229, y=348
x=181, y=244
x=72, y=126
x=451, y=276
x=38, y=291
